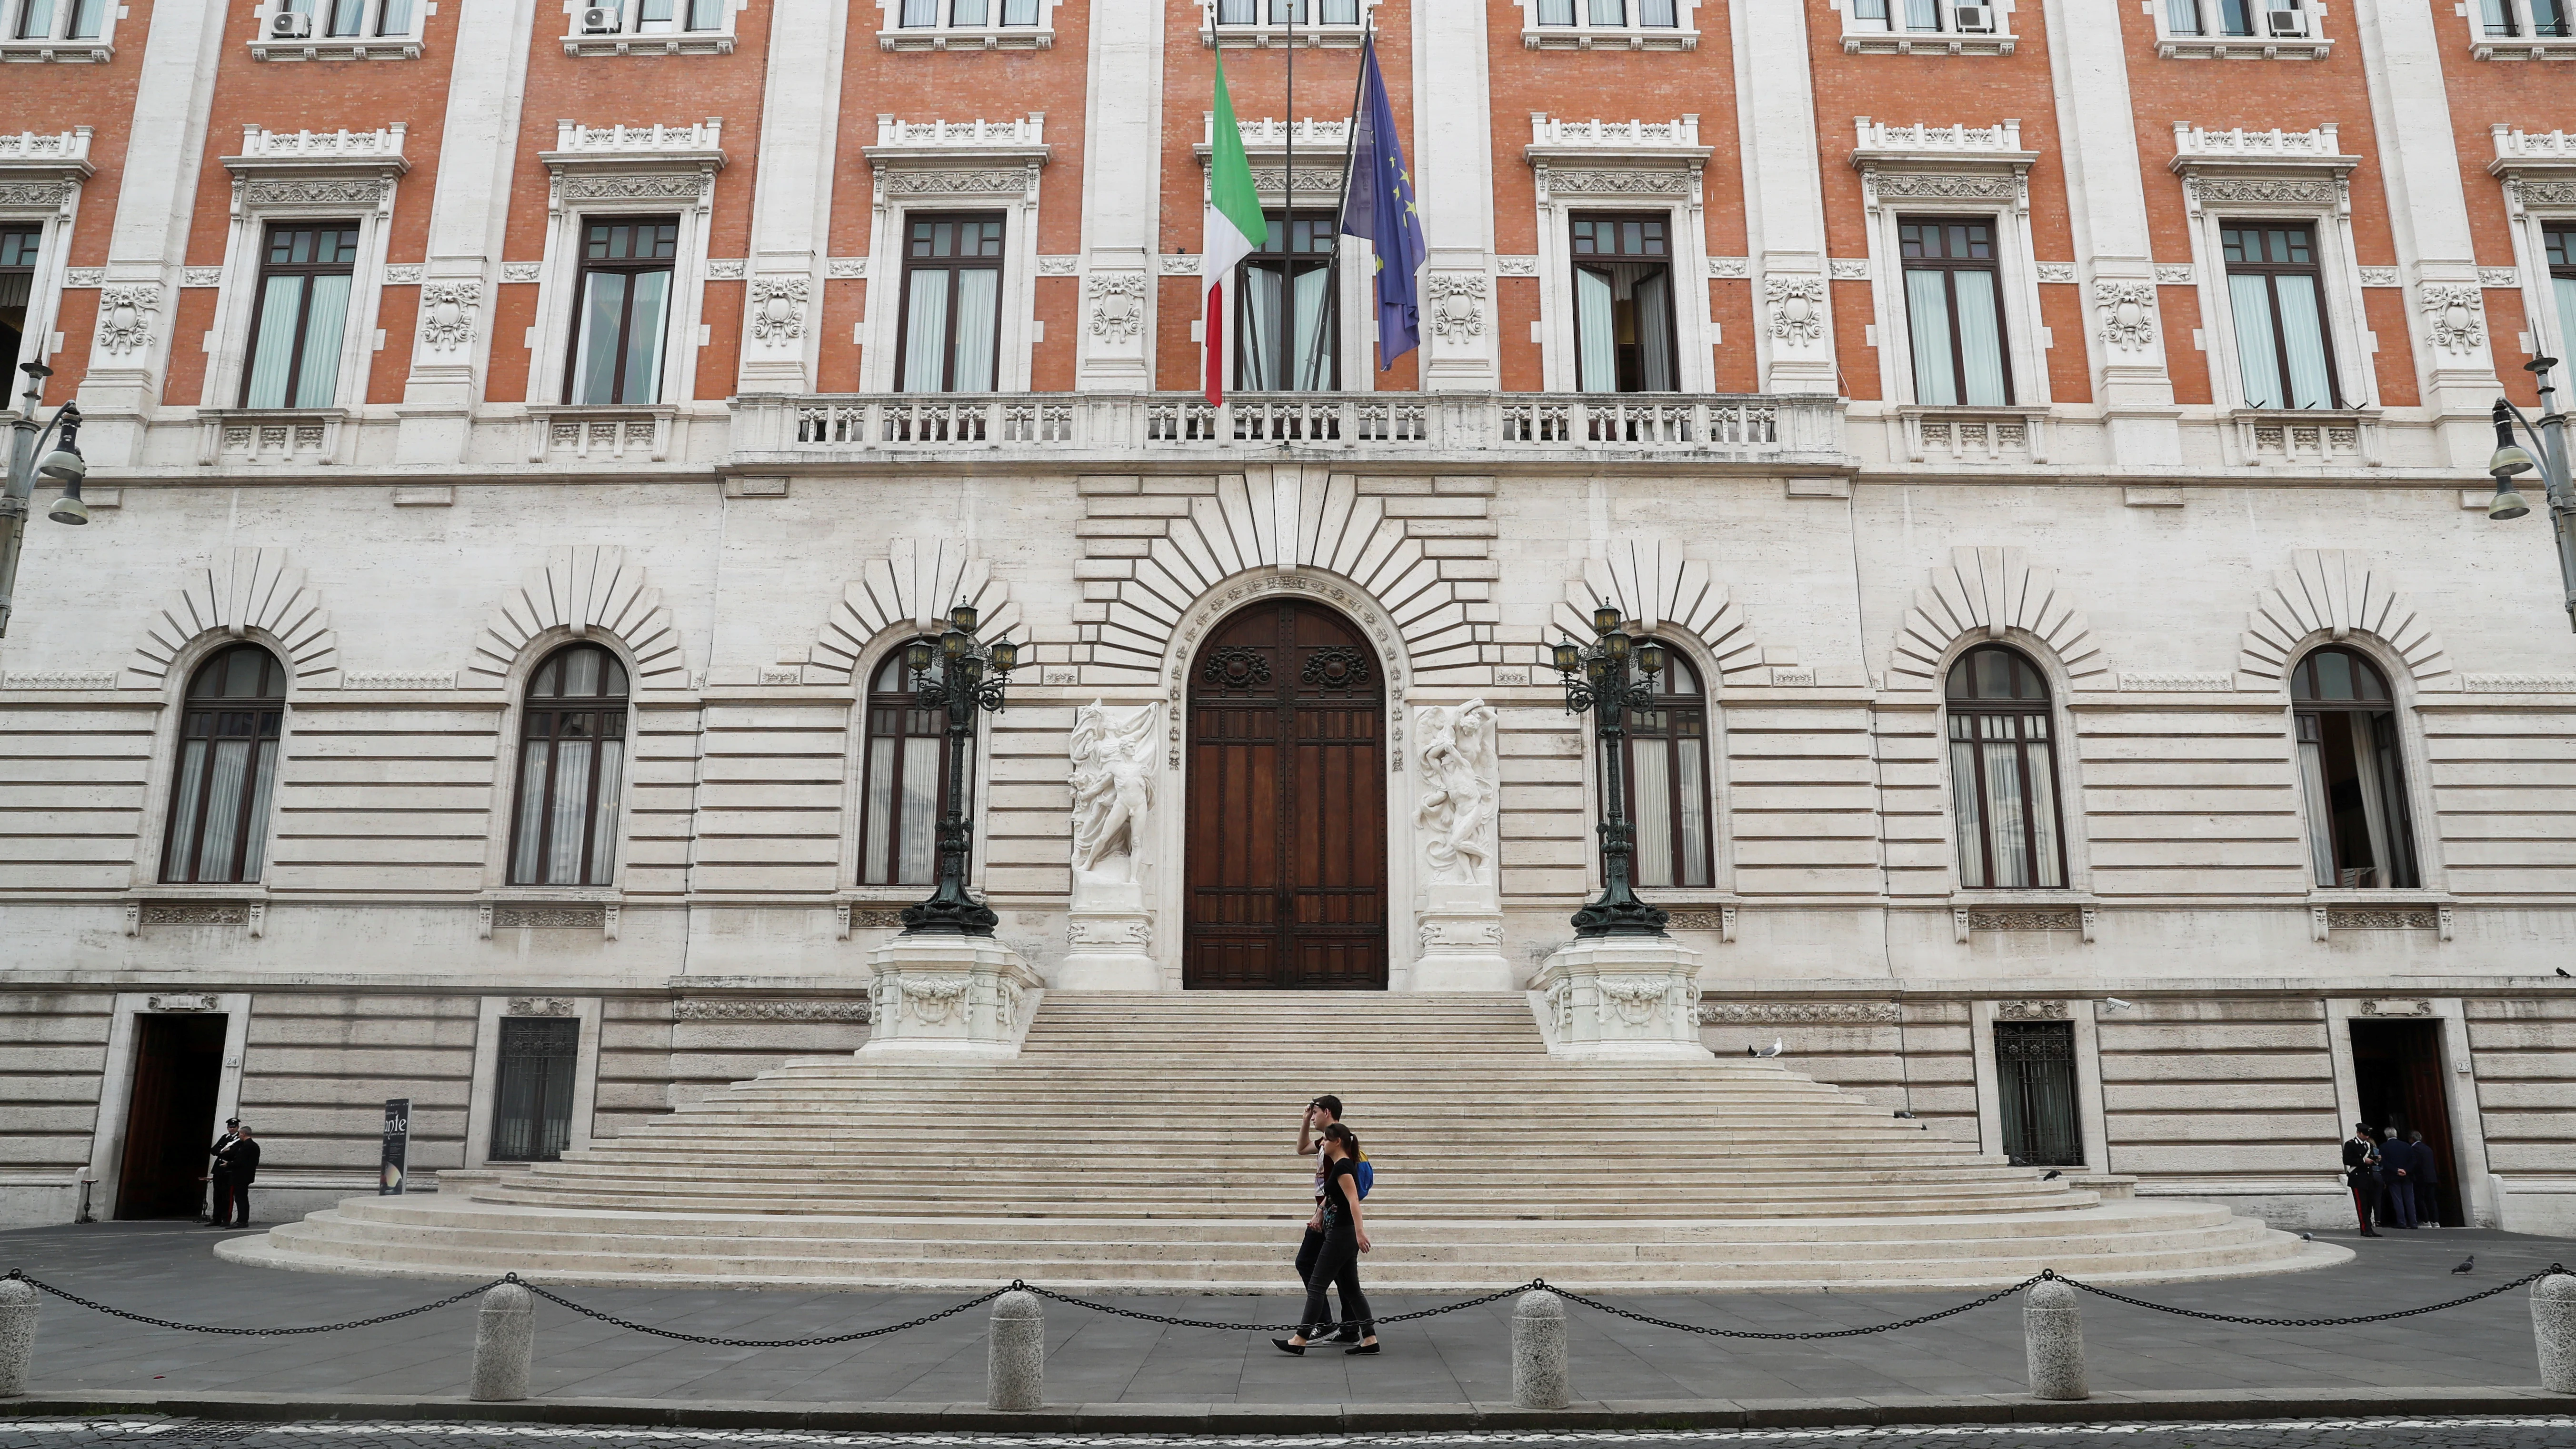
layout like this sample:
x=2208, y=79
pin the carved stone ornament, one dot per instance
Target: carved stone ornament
x=181, y=1001
x=30, y=195
x=1797, y=1013
x=1721, y=920
x=726, y=1010
x=2379, y=277
x=1113, y=792
x=1637, y=1000
x=1116, y=301
x=447, y=313
x=2030, y=1011
x=542, y=1006
x=1516, y=266
x=929, y=1000
x=1109, y=931
x=1737, y=268
x=648, y=186
x=2397, y=1006
x=2179, y=683
x=196, y=913
x=1470, y=934
x=728, y=269
x=522, y=271
x=2364, y=918
x=2175, y=274
x=905, y=181
x=1461, y=772
x=1562, y=181
x=548, y=918
x=2057, y=272
x=1797, y=307
x=2263, y=190
x=2003, y=186
x=2455, y=315
x=777, y=308
x=126, y=317
x=318, y=191
x=2128, y=311
x=845, y=918
x=1455, y=304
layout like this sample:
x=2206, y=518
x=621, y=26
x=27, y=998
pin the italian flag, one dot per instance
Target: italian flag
x=1235, y=229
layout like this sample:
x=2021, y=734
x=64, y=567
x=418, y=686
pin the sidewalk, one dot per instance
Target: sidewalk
x=1098, y=1360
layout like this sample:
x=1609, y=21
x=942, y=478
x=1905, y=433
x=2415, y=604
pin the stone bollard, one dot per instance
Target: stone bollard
x=505, y=1340
x=17, y=1334
x=2553, y=1324
x=2053, y=1331
x=1015, y=1368
x=1539, y=1379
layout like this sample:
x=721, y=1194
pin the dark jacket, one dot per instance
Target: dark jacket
x=241, y=1160
x=2359, y=1169
x=2428, y=1167
x=2396, y=1157
x=219, y=1166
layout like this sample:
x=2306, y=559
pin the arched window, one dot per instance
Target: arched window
x=907, y=780
x=2360, y=835
x=2003, y=774
x=228, y=736
x=1668, y=780
x=572, y=763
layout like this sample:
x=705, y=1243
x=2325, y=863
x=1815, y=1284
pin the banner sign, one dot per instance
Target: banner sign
x=397, y=1146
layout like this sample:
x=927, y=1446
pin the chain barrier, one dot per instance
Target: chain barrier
x=2305, y=1322
x=1142, y=1316
x=21, y=1275
x=630, y=1324
x=1997, y=1296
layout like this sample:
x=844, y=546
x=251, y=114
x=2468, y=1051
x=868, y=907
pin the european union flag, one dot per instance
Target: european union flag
x=1380, y=207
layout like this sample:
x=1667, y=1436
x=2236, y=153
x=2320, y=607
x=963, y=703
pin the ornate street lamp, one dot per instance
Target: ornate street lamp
x=2549, y=435
x=1607, y=678
x=63, y=465
x=971, y=677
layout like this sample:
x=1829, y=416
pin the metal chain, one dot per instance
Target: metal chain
x=628, y=1323
x=1995, y=1297
x=2306, y=1322
x=1307, y=1328
x=22, y=1276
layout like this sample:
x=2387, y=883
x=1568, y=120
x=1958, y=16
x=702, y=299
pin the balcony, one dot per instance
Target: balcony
x=776, y=430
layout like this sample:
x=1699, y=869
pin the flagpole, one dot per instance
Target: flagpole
x=1350, y=156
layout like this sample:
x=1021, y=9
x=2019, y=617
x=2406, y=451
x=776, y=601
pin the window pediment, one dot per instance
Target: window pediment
x=2530, y=158
x=1920, y=165
x=291, y=157
x=695, y=147
x=959, y=145
x=59, y=157
x=1266, y=146
x=1609, y=145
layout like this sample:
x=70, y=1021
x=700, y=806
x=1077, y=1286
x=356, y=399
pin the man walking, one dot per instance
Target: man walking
x=2361, y=1174
x=240, y=1165
x=2428, y=1181
x=218, y=1178
x=2397, y=1178
x=1321, y=1113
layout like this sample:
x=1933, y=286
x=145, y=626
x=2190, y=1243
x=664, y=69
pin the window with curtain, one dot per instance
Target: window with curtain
x=2352, y=775
x=303, y=310
x=532, y=1091
x=394, y=18
x=1954, y=312
x=666, y=17
x=346, y=17
x=1623, y=303
x=2035, y=1090
x=2236, y=17
x=2558, y=246
x=2182, y=17
x=1285, y=331
x=226, y=772
x=620, y=329
x=2548, y=18
x=918, y=14
x=2003, y=773
x=906, y=779
x=35, y=20
x=572, y=766
x=1556, y=12
x=2275, y=289
x=1668, y=785
x=951, y=332
x=2499, y=17
x=17, y=294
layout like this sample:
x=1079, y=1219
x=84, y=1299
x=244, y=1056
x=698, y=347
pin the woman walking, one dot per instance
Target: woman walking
x=1345, y=1238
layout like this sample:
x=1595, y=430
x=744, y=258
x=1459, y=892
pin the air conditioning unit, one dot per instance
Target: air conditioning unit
x=287, y=25
x=602, y=19
x=1974, y=19
x=2287, y=22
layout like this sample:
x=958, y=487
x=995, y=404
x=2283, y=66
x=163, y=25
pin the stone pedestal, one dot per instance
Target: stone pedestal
x=1460, y=934
x=1621, y=998
x=1112, y=939
x=948, y=996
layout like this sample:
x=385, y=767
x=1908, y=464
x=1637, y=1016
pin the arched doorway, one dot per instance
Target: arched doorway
x=1286, y=872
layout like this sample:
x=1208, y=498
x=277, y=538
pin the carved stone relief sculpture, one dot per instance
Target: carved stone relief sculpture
x=1455, y=824
x=1113, y=754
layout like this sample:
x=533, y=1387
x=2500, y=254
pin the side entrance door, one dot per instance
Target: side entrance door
x=1287, y=814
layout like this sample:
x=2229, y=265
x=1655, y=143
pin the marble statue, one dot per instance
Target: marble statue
x=1113, y=788
x=1455, y=745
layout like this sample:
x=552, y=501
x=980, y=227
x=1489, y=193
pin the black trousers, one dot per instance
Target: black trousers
x=219, y=1195
x=1337, y=1266
x=2365, y=1200
x=240, y=1207
x=1311, y=1252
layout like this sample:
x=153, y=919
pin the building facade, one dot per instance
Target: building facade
x=2047, y=438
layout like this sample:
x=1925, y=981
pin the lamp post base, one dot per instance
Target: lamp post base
x=948, y=997
x=1621, y=998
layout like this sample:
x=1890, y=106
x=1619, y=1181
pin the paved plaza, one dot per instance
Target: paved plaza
x=166, y=1270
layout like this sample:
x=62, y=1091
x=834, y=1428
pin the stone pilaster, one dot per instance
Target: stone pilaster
x=1784, y=198
x=791, y=199
x=1121, y=197
x=1453, y=172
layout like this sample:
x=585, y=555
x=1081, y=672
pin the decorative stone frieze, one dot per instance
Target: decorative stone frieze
x=254, y=589
x=731, y=1009
x=1721, y=921
x=181, y=1001
x=2400, y=1006
x=2336, y=593
x=1797, y=1013
x=911, y=585
x=542, y=1006
x=2038, y=1010
x=1993, y=593
x=582, y=588
x=1622, y=997
x=447, y=313
x=947, y=996
x=1967, y=920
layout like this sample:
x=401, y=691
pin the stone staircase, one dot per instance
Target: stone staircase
x=1145, y=1143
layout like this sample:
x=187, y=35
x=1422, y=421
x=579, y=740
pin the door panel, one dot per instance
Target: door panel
x=1287, y=810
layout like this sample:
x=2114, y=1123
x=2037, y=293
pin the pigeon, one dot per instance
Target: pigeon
x=2562, y=971
x=2051, y=1175
x=1908, y=1116
x=2307, y=1237
x=2467, y=1263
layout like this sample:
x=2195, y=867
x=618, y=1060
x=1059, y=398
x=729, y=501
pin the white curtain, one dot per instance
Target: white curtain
x=925, y=333
x=881, y=762
x=644, y=329
x=1927, y=315
x=326, y=313
x=1556, y=12
x=2305, y=329
x=1339, y=12
x=1922, y=14
x=1966, y=808
x=918, y=845
x=2312, y=784
x=2566, y=290
x=183, y=815
x=2182, y=17
x=36, y=21
x=272, y=352
x=706, y=14
x=2375, y=799
x=566, y=816
x=921, y=12
x=223, y=810
x=1609, y=12
x=2257, y=361
x=1981, y=340
x=263, y=778
x=1651, y=761
x=603, y=821
x=1657, y=14
x=394, y=18
x=1596, y=341
x=2043, y=805
x=2500, y=17
x=1694, y=791
x=2397, y=867
x=1314, y=360
x=1653, y=301
x=1019, y=12
x=1255, y=360
x=348, y=17
x=532, y=811
x=966, y=12
x=2005, y=805
x=979, y=300
x=594, y=363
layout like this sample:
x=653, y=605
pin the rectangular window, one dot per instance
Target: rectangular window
x=1556, y=12
x=2236, y=17
x=920, y=12
x=951, y=333
x=532, y=1093
x=17, y=295
x=1285, y=332
x=2182, y=17
x=1923, y=15
x=656, y=17
x=394, y=18
x=303, y=308
x=2274, y=287
x=35, y=20
x=1623, y=304
x=1870, y=12
x=88, y=17
x=1611, y=13
x=625, y=310
x=347, y=17
x=2500, y=17
x=2549, y=18
x=2559, y=245
x=1954, y=313
x=2035, y=1088
x=1658, y=15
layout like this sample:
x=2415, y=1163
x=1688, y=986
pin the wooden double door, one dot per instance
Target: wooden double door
x=1286, y=868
